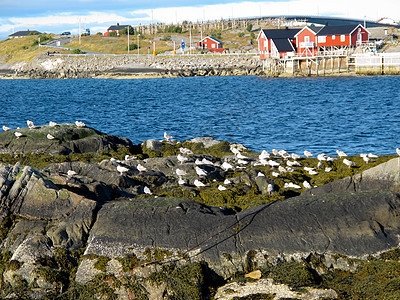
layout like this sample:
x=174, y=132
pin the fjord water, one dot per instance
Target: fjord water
x=353, y=114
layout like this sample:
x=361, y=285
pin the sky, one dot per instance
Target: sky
x=64, y=15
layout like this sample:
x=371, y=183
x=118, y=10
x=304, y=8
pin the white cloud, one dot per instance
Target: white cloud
x=99, y=21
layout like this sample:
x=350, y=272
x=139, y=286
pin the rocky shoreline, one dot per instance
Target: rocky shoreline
x=69, y=66
x=87, y=214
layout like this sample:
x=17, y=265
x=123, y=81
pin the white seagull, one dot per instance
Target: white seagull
x=308, y=153
x=264, y=154
x=275, y=152
x=349, y=163
x=181, y=158
x=312, y=172
x=50, y=137
x=295, y=156
x=17, y=134
x=129, y=157
x=185, y=151
x=306, y=184
x=141, y=168
x=198, y=183
x=234, y=150
x=270, y=189
x=327, y=169
x=180, y=172
x=341, y=153
x=147, y=190
x=167, y=136
x=201, y=172
x=275, y=174
x=370, y=155
x=30, y=124
x=122, y=169
x=226, y=166
x=398, y=151
x=52, y=124
x=181, y=181
x=260, y=174
x=221, y=188
x=80, y=124
x=321, y=157
x=71, y=173
x=5, y=128
x=227, y=181
x=273, y=163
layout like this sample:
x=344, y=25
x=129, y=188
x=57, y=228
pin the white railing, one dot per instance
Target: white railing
x=377, y=60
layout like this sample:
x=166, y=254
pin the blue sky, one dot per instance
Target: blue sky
x=63, y=15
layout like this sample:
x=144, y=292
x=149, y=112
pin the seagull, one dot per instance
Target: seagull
x=293, y=163
x=80, y=124
x=181, y=181
x=198, y=162
x=273, y=163
x=366, y=159
x=226, y=166
x=122, y=169
x=327, y=170
x=221, y=188
x=50, y=137
x=181, y=158
x=275, y=152
x=241, y=156
x=201, y=172
x=348, y=163
x=185, y=151
x=234, y=150
x=270, y=189
x=312, y=172
x=306, y=184
x=295, y=156
x=129, y=157
x=264, y=154
x=341, y=153
x=167, y=136
x=198, y=183
x=180, y=172
x=370, y=155
x=319, y=165
x=52, y=124
x=275, y=174
x=5, y=128
x=227, y=181
x=71, y=173
x=18, y=134
x=112, y=159
x=308, y=169
x=321, y=157
x=260, y=174
x=398, y=151
x=141, y=168
x=331, y=158
x=242, y=162
x=147, y=190
x=282, y=169
x=308, y=153
x=30, y=124
x=291, y=185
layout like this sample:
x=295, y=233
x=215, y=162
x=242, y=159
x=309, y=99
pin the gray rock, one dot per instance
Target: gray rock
x=206, y=141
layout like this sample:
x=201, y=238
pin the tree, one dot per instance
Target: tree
x=125, y=30
x=249, y=27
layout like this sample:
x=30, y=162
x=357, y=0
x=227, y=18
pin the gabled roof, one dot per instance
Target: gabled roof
x=283, y=45
x=212, y=38
x=280, y=33
x=313, y=29
x=118, y=27
x=338, y=30
x=24, y=33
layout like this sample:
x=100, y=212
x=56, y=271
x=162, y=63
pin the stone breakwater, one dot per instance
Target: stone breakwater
x=63, y=66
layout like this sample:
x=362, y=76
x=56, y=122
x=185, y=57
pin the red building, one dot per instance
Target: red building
x=276, y=43
x=211, y=43
x=311, y=40
x=116, y=28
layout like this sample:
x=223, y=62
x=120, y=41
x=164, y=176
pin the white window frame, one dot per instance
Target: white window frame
x=343, y=38
x=306, y=39
x=333, y=37
x=213, y=45
x=322, y=39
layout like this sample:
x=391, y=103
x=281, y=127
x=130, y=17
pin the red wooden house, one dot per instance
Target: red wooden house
x=211, y=43
x=116, y=28
x=311, y=40
x=276, y=43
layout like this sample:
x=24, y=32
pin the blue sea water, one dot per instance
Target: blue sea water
x=353, y=114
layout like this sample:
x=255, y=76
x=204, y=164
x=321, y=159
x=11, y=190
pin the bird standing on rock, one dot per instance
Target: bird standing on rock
x=349, y=163
x=141, y=168
x=180, y=172
x=308, y=153
x=198, y=183
x=30, y=124
x=50, y=137
x=80, y=124
x=52, y=124
x=17, y=134
x=398, y=151
x=122, y=169
x=147, y=190
x=201, y=172
x=341, y=153
x=167, y=136
x=5, y=128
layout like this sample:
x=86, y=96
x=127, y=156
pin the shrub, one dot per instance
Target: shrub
x=241, y=34
x=77, y=51
x=132, y=46
x=249, y=27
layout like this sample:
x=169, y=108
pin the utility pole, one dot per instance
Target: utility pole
x=79, y=33
x=127, y=28
x=138, y=43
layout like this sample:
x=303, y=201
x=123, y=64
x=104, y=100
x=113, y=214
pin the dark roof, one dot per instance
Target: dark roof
x=24, y=33
x=336, y=30
x=280, y=33
x=283, y=45
x=118, y=27
x=211, y=37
